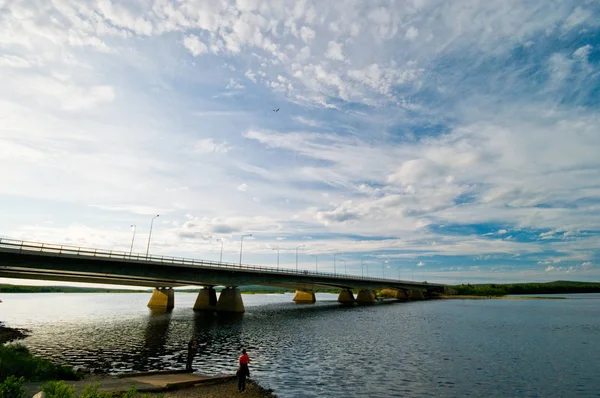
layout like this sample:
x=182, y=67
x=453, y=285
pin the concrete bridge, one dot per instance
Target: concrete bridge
x=44, y=261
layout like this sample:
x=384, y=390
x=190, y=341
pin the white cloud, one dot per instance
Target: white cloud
x=307, y=34
x=334, y=51
x=583, y=52
x=208, y=145
x=411, y=33
x=420, y=264
x=194, y=45
x=242, y=187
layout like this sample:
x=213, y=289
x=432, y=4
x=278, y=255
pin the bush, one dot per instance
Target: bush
x=91, y=391
x=16, y=360
x=58, y=389
x=12, y=387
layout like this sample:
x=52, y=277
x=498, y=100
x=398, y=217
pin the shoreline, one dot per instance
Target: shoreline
x=467, y=297
x=8, y=334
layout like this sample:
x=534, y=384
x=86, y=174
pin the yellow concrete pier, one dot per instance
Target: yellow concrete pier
x=346, y=296
x=365, y=296
x=206, y=300
x=401, y=295
x=230, y=300
x=416, y=295
x=305, y=297
x=162, y=298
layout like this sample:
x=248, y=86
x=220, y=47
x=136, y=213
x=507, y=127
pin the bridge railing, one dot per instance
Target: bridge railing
x=65, y=250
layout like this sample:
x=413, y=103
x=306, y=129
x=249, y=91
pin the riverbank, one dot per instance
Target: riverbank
x=176, y=384
x=467, y=297
x=19, y=362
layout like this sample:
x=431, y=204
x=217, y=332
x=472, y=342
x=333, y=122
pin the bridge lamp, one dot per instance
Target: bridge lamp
x=221, y=257
x=335, y=254
x=316, y=263
x=150, y=234
x=297, y=255
x=277, y=248
x=345, y=268
x=132, y=239
x=241, y=246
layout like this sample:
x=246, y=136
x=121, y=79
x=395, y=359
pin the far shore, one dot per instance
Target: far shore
x=466, y=297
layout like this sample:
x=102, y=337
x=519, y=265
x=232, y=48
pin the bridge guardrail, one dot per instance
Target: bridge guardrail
x=60, y=250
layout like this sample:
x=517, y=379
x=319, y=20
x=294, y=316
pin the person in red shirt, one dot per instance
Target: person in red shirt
x=243, y=371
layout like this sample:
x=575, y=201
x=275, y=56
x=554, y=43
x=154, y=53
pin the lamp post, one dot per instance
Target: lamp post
x=221, y=256
x=150, y=234
x=132, y=239
x=383, y=268
x=297, y=247
x=316, y=262
x=335, y=254
x=277, y=248
x=362, y=267
x=345, y=268
x=241, y=246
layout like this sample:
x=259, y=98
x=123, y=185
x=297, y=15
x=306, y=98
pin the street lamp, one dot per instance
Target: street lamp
x=383, y=263
x=297, y=247
x=277, y=248
x=316, y=262
x=241, y=246
x=221, y=257
x=345, y=269
x=150, y=234
x=132, y=239
x=335, y=254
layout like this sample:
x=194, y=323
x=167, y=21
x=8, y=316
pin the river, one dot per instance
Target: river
x=438, y=348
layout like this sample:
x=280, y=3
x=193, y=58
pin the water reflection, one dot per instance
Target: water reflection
x=443, y=348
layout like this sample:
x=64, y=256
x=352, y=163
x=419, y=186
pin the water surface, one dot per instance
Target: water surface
x=444, y=348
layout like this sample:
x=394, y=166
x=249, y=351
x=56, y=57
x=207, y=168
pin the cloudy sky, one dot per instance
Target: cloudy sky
x=441, y=141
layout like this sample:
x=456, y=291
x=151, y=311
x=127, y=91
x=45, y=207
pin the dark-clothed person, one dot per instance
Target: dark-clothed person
x=192, y=348
x=243, y=371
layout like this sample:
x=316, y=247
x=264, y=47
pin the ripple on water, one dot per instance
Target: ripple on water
x=442, y=348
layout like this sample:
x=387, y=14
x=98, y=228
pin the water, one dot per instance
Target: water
x=444, y=348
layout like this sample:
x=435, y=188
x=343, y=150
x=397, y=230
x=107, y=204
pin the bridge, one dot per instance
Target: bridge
x=44, y=261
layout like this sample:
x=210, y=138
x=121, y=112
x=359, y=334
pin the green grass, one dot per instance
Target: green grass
x=17, y=361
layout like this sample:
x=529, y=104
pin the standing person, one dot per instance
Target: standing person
x=192, y=348
x=243, y=371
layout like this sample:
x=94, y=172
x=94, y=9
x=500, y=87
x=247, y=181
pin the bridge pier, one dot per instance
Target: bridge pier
x=365, y=296
x=401, y=295
x=346, y=297
x=162, y=298
x=206, y=300
x=416, y=295
x=305, y=297
x=230, y=300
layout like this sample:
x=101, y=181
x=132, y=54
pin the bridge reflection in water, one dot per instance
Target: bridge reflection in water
x=43, y=261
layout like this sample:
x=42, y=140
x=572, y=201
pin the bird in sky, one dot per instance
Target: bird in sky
x=276, y=110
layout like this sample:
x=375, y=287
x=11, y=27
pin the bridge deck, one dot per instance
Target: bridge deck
x=36, y=260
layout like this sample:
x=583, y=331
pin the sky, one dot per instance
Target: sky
x=453, y=142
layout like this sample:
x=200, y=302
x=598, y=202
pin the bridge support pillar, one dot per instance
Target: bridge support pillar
x=304, y=297
x=365, y=296
x=230, y=300
x=206, y=300
x=401, y=295
x=162, y=298
x=346, y=296
x=416, y=295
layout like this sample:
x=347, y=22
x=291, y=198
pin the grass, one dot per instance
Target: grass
x=17, y=361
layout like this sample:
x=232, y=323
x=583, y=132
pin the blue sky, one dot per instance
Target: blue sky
x=449, y=141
